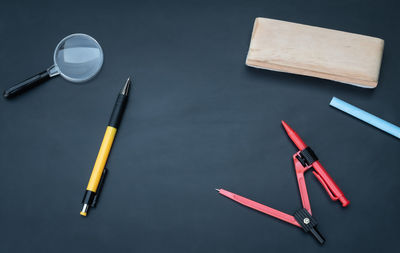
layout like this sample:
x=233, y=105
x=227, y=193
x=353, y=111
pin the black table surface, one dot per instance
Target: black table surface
x=198, y=119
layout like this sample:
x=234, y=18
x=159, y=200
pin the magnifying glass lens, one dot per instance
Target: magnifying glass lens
x=79, y=57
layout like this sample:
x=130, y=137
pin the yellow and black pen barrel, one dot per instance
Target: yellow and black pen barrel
x=99, y=172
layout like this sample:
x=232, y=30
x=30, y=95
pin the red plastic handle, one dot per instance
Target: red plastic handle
x=300, y=169
x=260, y=207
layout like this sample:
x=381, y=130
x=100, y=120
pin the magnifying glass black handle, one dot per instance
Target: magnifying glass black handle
x=27, y=84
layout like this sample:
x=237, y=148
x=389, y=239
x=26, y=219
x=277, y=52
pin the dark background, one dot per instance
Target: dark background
x=198, y=119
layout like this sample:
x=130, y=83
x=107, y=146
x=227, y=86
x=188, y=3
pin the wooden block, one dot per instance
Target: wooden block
x=313, y=51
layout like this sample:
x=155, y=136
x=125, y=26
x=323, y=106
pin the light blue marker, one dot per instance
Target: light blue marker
x=365, y=116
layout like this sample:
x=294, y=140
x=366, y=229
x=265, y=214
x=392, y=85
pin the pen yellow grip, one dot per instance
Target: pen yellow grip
x=101, y=159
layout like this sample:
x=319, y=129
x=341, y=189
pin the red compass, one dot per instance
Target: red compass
x=304, y=160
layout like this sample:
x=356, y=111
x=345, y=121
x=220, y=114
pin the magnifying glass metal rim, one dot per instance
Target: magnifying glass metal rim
x=54, y=70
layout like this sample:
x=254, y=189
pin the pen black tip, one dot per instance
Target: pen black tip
x=125, y=89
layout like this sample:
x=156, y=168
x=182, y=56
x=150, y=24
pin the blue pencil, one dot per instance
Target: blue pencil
x=366, y=117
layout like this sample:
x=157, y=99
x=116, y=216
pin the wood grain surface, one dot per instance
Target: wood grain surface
x=313, y=51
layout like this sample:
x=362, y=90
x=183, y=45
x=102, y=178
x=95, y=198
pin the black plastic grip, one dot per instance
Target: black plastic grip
x=27, y=84
x=307, y=156
x=88, y=198
x=118, y=111
x=309, y=224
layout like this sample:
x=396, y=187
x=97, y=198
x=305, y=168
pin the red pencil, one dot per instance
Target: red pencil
x=322, y=175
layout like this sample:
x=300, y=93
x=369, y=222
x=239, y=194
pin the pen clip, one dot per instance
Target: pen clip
x=325, y=185
x=100, y=187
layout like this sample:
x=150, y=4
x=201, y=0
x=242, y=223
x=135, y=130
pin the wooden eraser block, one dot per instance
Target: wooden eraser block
x=313, y=51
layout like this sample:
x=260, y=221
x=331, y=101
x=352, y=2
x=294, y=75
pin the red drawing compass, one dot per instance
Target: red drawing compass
x=304, y=160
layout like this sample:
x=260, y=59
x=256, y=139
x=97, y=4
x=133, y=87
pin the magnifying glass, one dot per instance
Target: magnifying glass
x=77, y=58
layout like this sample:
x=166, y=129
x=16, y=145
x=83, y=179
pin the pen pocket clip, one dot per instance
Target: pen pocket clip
x=101, y=183
x=325, y=185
